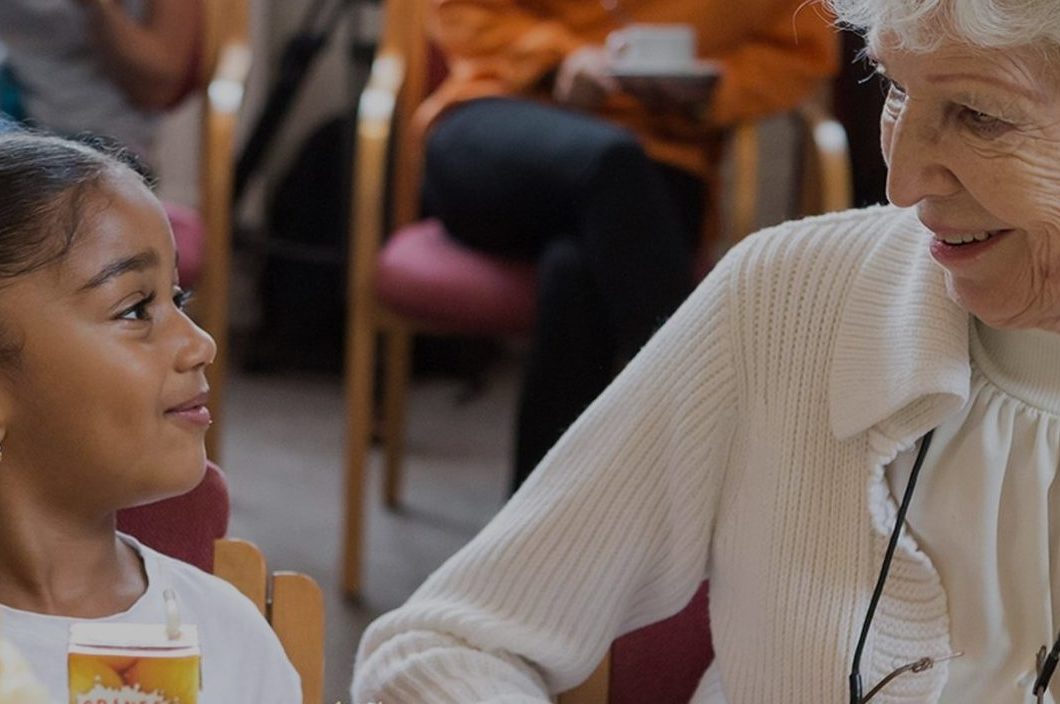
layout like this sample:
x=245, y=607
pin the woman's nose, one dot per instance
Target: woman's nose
x=916, y=158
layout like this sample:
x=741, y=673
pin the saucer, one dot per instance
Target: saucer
x=692, y=69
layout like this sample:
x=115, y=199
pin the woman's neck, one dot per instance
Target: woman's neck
x=64, y=565
x=1023, y=363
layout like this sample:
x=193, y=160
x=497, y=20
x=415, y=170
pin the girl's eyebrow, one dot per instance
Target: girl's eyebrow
x=137, y=262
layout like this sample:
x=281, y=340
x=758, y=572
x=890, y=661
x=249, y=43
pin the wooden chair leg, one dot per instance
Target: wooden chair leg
x=218, y=130
x=359, y=384
x=396, y=386
x=744, y=157
x=216, y=378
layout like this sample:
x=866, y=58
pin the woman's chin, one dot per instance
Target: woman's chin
x=998, y=312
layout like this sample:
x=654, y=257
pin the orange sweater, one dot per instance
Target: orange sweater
x=773, y=55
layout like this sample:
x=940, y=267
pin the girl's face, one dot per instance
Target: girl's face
x=972, y=139
x=104, y=407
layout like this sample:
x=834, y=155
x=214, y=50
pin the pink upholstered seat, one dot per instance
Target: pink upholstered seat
x=184, y=526
x=662, y=663
x=424, y=274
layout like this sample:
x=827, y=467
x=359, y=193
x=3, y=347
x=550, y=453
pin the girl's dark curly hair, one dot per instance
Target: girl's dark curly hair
x=44, y=181
x=45, y=184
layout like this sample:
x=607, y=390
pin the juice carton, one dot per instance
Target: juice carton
x=129, y=663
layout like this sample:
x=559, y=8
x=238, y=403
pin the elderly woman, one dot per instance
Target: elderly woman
x=765, y=437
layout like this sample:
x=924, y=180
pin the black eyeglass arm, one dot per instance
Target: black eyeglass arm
x=1048, y=667
x=877, y=592
x=855, y=687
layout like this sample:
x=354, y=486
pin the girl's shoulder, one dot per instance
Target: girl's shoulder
x=198, y=593
x=242, y=658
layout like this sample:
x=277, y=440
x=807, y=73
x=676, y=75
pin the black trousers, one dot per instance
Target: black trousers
x=612, y=231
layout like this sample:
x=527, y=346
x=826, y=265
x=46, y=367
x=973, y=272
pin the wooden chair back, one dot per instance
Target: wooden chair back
x=292, y=603
x=224, y=68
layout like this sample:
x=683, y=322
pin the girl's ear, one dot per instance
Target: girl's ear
x=7, y=406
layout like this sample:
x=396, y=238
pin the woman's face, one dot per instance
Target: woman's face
x=972, y=140
x=104, y=407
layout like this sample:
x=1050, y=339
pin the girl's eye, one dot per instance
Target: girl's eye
x=983, y=124
x=181, y=298
x=139, y=310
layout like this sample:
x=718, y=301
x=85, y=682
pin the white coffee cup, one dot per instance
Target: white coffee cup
x=652, y=46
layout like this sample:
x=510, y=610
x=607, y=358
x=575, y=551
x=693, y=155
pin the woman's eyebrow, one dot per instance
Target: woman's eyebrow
x=137, y=262
x=1024, y=91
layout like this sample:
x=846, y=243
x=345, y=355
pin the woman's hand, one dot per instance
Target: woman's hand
x=584, y=78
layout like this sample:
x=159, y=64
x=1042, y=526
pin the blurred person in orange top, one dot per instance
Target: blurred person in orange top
x=546, y=143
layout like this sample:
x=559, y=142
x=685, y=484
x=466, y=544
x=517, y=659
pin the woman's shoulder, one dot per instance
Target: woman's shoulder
x=837, y=234
x=823, y=252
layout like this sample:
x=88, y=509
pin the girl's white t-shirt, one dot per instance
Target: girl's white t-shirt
x=242, y=660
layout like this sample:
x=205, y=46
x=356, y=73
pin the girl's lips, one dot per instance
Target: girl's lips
x=195, y=415
x=193, y=411
x=955, y=254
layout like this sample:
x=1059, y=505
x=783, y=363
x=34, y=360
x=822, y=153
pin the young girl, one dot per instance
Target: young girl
x=102, y=406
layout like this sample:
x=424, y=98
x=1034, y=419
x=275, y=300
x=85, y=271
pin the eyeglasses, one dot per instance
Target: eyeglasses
x=856, y=696
x=1045, y=662
x=1044, y=666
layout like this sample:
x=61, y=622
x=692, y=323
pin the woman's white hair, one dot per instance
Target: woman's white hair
x=921, y=25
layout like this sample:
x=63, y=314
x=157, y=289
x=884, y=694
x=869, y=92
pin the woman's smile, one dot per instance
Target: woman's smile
x=952, y=248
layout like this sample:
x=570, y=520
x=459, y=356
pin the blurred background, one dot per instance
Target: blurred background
x=283, y=441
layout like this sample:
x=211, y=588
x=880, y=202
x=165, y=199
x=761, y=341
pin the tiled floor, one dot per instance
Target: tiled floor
x=283, y=456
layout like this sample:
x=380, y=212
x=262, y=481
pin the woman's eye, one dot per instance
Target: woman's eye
x=982, y=123
x=139, y=310
x=894, y=99
x=182, y=297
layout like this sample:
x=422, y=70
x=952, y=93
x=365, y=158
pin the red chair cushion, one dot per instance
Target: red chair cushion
x=189, y=233
x=424, y=274
x=185, y=526
x=662, y=663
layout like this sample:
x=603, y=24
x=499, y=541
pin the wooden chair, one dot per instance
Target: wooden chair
x=389, y=296
x=292, y=602
x=224, y=65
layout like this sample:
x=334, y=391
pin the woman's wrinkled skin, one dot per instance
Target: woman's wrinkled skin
x=972, y=140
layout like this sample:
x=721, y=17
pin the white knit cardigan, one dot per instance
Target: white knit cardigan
x=746, y=444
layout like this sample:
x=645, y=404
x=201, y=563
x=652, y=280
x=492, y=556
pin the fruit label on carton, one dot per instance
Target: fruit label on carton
x=123, y=663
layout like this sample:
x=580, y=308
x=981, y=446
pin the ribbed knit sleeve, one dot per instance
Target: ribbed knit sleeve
x=611, y=532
